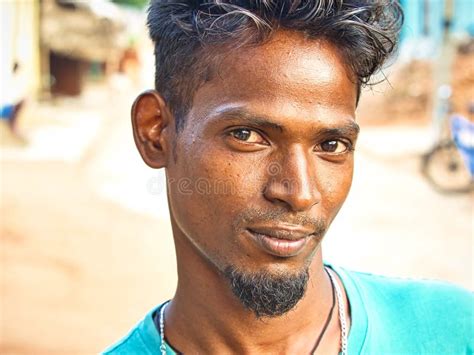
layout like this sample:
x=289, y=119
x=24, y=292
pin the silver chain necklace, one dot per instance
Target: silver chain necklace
x=342, y=315
x=162, y=329
x=340, y=306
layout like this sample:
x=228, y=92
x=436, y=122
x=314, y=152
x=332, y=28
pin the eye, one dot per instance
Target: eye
x=334, y=146
x=247, y=135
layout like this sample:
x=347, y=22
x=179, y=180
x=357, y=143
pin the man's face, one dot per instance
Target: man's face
x=264, y=161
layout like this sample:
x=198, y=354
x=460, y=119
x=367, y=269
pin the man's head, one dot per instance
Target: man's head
x=254, y=121
x=192, y=36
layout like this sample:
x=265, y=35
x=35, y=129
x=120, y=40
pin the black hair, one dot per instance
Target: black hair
x=267, y=295
x=189, y=33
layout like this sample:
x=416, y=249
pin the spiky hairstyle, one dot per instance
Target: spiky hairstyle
x=189, y=34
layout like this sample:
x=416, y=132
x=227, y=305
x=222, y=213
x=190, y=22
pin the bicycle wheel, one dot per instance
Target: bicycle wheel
x=444, y=168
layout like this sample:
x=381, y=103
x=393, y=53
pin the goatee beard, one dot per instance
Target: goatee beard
x=266, y=294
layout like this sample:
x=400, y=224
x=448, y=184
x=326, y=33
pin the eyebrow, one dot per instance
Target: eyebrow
x=349, y=127
x=257, y=121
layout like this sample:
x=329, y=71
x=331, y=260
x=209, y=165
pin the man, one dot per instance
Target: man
x=253, y=119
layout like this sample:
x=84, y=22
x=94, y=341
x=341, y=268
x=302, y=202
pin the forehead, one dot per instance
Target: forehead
x=288, y=74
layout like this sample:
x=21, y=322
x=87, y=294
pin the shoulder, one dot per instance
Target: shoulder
x=130, y=344
x=427, y=313
x=408, y=292
x=143, y=338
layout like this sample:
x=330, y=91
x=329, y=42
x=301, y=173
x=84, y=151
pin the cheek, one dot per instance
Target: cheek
x=229, y=173
x=335, y=183
x=208, y=188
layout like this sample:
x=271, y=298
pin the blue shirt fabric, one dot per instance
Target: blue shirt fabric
x=388, y=316
x=6, y=112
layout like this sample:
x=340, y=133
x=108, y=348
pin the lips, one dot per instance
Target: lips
x=284, y=241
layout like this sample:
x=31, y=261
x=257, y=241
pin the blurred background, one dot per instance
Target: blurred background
x=86, y=245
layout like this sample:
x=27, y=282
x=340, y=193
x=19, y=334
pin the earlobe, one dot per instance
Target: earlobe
x=150, y=118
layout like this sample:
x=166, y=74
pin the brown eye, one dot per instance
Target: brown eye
x=334, y=146
x=247, y=136
x=241, y=134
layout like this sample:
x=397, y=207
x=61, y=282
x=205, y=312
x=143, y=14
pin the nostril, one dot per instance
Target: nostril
x=292, y=196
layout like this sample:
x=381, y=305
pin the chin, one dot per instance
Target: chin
x=267, y=293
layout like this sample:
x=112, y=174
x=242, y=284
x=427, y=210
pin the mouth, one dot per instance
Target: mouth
x=283, y=242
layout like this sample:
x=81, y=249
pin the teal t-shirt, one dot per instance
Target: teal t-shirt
x=388, y=316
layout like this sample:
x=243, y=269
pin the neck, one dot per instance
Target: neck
x=205, y=316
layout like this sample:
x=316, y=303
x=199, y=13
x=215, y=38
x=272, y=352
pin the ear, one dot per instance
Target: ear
x=150, y=119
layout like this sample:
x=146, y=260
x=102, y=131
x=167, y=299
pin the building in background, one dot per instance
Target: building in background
x=20, y=43
x=76, y=34
x=425, y=17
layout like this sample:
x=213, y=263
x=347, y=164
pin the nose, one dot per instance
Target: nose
x=292, y=181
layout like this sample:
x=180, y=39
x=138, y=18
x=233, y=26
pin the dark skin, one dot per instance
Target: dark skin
x=277, y=125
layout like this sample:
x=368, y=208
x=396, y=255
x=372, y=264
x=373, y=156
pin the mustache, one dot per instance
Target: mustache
x=257, y=216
